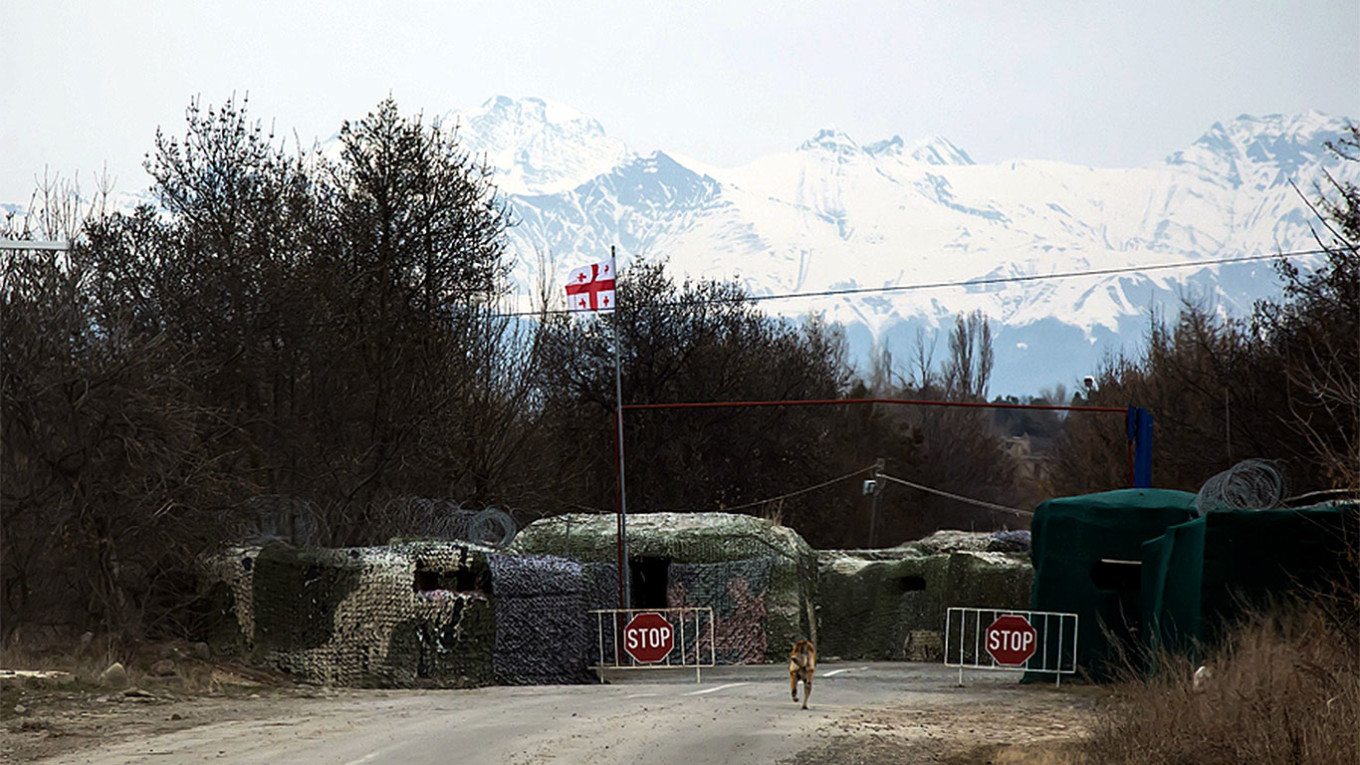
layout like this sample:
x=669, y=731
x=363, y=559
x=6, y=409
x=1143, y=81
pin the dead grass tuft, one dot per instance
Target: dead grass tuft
x=1038, y=753
x=1285, y=689
x=87, y=660
x=84, y=662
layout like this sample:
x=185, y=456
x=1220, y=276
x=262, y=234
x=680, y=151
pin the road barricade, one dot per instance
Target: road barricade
x=1010, y=640
x=655, y=638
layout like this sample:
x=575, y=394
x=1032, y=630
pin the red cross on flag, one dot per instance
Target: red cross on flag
x=591, y=288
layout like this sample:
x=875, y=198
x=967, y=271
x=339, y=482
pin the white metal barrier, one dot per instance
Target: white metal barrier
x=1049, y=646
x=691, y=636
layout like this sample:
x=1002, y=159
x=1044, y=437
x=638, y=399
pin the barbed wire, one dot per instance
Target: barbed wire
x=444, y=518
x=1253, y=484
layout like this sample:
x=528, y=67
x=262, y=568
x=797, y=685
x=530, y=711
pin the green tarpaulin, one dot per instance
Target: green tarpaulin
x=1144, y=574
x=1200, y=575
x=1087, y=554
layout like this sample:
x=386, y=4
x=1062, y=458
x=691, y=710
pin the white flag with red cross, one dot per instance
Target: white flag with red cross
x=591, y=288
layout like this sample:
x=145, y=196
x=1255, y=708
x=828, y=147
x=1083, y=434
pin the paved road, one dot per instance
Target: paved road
x=736, y=715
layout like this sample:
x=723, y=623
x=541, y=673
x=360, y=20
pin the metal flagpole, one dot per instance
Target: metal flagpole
x=625, y=585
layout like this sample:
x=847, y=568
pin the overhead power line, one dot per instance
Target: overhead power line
x=821, y=485
x=30, y=244
x=983, y=282
x=880, y=474
x=844, y=401
x=956, y=497
x=920, y=286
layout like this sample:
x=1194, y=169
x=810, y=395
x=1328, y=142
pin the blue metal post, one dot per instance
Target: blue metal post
x=1139, y=430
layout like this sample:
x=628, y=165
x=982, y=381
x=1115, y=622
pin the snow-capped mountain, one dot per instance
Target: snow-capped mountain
x=539, y=147
x=836, y=213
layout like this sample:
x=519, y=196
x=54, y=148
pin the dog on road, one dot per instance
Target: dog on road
x=802, y=662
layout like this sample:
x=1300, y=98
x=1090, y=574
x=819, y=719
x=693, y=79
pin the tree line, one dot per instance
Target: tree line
x=1282, y=384
x=316, y=340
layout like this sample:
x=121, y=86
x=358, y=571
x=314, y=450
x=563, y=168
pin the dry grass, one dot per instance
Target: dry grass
x=86, y=662
x=1285, y=689
x=1042, y=753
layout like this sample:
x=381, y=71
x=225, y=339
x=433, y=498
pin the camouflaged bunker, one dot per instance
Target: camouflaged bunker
x=759, y=578
x=890, y=603
x=456, y=614
x=432, y=613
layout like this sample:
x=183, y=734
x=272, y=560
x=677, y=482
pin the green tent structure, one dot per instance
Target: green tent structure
x=1087, y=555
x=1200, y=575
x=1145, y=573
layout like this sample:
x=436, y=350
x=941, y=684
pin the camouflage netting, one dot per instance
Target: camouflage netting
x=736, y=592
x=747, y=569
x=227, y=586
x=410, y=614
x=890, y=603
x=453, y=614
x=602, y=585
x=543, y=634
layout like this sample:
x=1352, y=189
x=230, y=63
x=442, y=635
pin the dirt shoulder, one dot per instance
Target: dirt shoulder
x=42, y=717
x=1026, y=724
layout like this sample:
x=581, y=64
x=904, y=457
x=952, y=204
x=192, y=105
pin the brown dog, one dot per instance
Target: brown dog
x=802, y=662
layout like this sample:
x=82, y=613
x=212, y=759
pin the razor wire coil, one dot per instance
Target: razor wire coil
x=1253, y=484
x=491, y=527
x=442, y=518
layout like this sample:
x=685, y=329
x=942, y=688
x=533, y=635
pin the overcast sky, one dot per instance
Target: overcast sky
x=84, y=84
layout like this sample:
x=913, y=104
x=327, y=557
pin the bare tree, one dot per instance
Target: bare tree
x=276, y=326
x=58, y=210
x=969, y=368
x=111, y=482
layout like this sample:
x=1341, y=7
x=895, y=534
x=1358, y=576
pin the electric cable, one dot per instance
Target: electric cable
x=966, y=500
x=781, y=497
x=983, y=282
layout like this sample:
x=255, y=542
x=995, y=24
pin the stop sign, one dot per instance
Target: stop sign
x=1010, y=640
x=648, y=637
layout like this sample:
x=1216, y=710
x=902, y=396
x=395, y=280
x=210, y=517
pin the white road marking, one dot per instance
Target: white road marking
x=712, y=690
x=640, y=696
x=834, y=672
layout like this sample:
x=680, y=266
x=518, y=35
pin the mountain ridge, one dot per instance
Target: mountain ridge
x=835, y=210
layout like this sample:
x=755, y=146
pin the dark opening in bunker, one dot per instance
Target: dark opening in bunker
x=911, y=584
x=471, y=578
x=1112, y=574
x=649, y=578
x=426, y=580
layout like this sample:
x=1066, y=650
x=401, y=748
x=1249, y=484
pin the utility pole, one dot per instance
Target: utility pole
x=625, y=580
x=874, y=487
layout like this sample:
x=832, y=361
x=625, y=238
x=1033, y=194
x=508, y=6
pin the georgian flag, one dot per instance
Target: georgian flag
x=591, y=288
